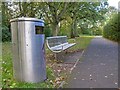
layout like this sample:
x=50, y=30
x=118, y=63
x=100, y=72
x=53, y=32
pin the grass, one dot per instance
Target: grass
x=7, y=72
x=81, y=42
x=7, y=68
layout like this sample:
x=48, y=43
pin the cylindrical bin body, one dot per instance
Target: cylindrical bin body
x=28, y=49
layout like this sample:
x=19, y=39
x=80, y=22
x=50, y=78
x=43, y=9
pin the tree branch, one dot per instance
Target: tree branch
x=47, y=15
x=63, y=11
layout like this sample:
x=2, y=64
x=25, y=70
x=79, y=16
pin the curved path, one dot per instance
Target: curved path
x=98, y=67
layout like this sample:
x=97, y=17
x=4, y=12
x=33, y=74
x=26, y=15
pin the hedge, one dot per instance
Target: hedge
x=6, y=34
x=111, y=29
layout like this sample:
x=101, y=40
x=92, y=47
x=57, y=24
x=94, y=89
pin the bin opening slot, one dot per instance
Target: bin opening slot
x=38, y=30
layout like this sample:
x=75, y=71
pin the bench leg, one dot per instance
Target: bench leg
x=55, y=56
x=66, y=51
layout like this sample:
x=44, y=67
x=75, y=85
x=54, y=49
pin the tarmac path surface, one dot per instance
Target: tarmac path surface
x=98, y=67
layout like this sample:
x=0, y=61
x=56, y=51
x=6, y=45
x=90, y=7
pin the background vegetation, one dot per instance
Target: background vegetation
x=111, y=29
x=61, y=18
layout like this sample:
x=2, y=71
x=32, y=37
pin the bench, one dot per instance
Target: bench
x=58, y=43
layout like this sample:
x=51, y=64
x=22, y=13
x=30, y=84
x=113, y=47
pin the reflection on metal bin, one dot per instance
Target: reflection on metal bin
x=28, y=49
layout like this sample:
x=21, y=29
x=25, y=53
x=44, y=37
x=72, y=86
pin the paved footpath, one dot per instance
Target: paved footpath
x=98, y=67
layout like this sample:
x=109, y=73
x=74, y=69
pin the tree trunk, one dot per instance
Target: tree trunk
x=75, y=28
x=74, y=32
x=55, y=29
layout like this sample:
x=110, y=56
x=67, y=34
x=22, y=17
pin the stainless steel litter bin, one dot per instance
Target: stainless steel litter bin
x=28, y=49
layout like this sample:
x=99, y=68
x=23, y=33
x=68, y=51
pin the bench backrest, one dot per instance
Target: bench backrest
x=56, y=40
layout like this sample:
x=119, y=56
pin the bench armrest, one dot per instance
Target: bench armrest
x=55, y=51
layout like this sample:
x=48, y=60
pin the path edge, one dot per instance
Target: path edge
x=72, y=68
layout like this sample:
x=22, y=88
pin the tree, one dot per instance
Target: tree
x=111, y=29
x=26, y=9
x=55, y=12
x=6, y=15
x=86, y=11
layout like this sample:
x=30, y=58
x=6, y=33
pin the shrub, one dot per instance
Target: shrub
x=47, y=31
x=6, y=34
x=97, y=31
x=86, y=32
x=111, y=30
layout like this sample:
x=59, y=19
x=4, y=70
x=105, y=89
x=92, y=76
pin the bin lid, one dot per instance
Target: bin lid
x=26, y=19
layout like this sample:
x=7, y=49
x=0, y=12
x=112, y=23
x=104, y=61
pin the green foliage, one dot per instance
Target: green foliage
x=54, y=13
x=111, y=29
x=86, y=31
x=47, y=31
x=97, y=31
x=6, y=34
x=87, y=16
x=65, y=27
x=82, y=42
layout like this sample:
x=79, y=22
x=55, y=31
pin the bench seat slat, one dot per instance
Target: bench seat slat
x=58, y=43
x=59, y=46
x=62, y=47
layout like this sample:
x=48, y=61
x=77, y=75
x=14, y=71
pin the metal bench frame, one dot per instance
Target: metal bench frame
x=60, y=47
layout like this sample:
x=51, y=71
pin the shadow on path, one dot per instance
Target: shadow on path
x=69, y=57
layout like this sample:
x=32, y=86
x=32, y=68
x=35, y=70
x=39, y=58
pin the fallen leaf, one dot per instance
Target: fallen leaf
x=74, y=78
x=90, y=78
x=106, y=76
x=111, y=74
x=90, y=75
x=83, y=79
x=59, y=71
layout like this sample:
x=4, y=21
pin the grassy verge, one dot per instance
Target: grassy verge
x=81, y=42
x=7, y=68
x=7, y=72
